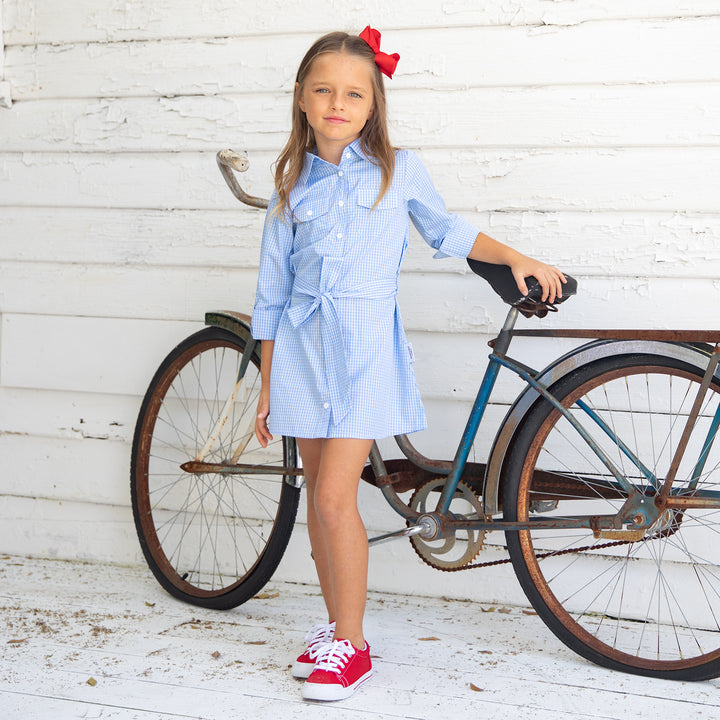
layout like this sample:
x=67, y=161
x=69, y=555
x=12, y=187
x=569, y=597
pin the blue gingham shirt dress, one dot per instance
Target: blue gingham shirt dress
x=327, y=295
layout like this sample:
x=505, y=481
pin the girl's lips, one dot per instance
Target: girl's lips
x=336, y=120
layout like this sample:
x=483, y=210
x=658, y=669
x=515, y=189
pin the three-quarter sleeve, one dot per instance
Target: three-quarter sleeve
x=450, y=234
x=275, y=278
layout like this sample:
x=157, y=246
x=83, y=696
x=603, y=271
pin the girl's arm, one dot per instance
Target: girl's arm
x=550, y=278
x=263, y=408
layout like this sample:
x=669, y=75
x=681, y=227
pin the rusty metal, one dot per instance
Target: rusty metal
x=686, y=502
x=707, y=336
x=197, y=468
x=235, y=322
x=559, y=368
x=433, y=555
x=629, y=535
x=229, y=160
x=690, y=424
x=436, y=467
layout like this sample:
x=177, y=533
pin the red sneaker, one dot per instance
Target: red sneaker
x=340, y=670
x=318, y=637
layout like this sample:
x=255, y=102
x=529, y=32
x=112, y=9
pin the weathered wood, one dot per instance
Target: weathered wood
x=665, y=115
x=673, y=50
x=440, y=302
x=109, y=355
x=154, y=658
x=33, y=22
x=628, y=179
x=582, y=133
x=587, y=243
x=447, y=366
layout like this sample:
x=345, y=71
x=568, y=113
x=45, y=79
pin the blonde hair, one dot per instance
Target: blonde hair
x=374, y=137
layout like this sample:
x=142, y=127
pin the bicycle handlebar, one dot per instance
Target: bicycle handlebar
x=229, y=160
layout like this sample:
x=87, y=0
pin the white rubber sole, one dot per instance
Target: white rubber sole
x=318, y=691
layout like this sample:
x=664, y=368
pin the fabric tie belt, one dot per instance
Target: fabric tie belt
x=335, y=359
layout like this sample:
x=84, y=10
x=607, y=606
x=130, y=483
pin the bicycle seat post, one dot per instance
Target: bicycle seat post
x=502, y=341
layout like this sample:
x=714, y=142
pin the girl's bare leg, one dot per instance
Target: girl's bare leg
x=343, y=533
x=310, y=452
x=337, y=534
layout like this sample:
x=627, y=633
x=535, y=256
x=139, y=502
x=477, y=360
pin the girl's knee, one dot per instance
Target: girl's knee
x=333, y=507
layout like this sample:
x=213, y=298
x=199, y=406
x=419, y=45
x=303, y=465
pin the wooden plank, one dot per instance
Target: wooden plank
x=108, y=355
x=119, y=356
x=628, y=180
x=159, y=660
x=673, y=50
x=632, y=244
x=455, y=301
x=85, y=20
x=67, y=415
x=63, y=529
x=665, y=115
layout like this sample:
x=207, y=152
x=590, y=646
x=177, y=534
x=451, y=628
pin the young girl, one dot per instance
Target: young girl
x=336, y=371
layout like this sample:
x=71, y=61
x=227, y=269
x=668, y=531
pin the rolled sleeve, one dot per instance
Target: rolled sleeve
x=450, y=234
x=275, y=277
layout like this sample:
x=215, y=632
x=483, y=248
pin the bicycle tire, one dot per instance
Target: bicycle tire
x=212, y=540
x=646, y=605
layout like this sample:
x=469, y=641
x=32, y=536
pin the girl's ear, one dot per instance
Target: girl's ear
x=299, y=96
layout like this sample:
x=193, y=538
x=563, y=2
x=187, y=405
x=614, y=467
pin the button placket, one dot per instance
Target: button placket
x=342, y=195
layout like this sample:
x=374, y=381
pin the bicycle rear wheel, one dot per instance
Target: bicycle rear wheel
x=211, y=539
x=648, y=605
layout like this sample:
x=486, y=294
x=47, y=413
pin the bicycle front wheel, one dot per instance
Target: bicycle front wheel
x=646, y=603
x=212, y=539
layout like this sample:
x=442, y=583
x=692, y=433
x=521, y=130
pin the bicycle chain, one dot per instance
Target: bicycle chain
x=667, y=532
x=504, y=561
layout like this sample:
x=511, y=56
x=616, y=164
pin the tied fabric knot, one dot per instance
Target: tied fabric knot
x=386, y=63
x=335, y=360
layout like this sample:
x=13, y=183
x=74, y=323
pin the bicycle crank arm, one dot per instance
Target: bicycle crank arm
x=422, y=528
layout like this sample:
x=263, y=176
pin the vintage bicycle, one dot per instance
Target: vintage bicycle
x=603, y=477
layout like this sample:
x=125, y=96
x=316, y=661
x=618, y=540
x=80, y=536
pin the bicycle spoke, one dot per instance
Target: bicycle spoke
x=649, y=602
x=209, y=532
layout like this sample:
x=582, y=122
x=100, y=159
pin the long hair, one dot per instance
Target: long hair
x=374, y=137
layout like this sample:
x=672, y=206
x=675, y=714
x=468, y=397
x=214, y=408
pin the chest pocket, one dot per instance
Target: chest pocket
x=366, y=198
x=311, y=208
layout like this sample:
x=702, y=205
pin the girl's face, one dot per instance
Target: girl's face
x=337, y=99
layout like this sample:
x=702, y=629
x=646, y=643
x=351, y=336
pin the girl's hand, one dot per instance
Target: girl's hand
x=550, y=278
x=263, y=410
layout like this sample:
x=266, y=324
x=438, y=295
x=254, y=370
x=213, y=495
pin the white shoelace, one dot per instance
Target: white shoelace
x=318, y=638
x=335, y=656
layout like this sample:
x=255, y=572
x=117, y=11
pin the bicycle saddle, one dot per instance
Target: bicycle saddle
x=503, y=283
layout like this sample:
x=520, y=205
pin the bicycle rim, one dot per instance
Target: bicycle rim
x=650, y=605
x=212, y=539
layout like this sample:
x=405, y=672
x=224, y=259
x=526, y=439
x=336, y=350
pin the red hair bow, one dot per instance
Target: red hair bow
x=386, y=63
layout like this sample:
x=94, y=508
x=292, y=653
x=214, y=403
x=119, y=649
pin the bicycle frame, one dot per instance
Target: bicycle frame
x=636, y=512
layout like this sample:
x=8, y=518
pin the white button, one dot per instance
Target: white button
x=340, y=174
x=309, y=212
x=326, y=405
x=341, y=203
x=339, y=236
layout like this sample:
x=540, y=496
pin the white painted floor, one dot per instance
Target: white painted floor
x=92, y=641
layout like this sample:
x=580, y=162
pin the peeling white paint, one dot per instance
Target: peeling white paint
x=122, y=232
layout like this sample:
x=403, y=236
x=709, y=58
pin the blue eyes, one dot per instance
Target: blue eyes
x=354, y=95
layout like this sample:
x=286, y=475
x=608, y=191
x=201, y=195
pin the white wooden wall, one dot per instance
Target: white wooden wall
x=586, y=133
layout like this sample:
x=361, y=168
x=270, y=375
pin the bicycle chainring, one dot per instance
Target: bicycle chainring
x=460, y=549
